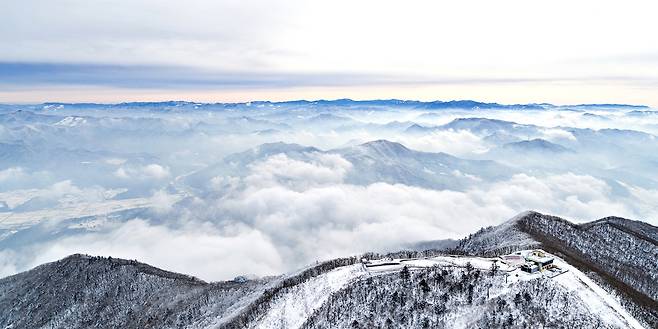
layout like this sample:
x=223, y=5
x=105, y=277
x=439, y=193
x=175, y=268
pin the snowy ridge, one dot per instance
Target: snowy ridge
x=299, y=302
x=587, y=302
x=618, y=253
x=598, y=300
x=495, y=240
x=430, y=289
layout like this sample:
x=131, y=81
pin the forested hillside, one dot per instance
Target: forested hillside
x=434, y=290
x=452, y=297
x=619, y=253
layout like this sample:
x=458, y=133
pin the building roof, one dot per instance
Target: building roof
x=538, y=259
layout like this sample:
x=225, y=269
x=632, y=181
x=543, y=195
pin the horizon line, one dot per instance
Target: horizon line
x=328, y=100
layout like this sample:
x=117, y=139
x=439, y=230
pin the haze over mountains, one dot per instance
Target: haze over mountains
x=305, y=164
x=269, y=187
x=287, y=196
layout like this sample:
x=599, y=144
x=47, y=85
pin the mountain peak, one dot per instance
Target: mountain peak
x=281, y=147
x=536, y=144
x=385, y=147
x=524, y=215
x=416, y=128
x=381, y=142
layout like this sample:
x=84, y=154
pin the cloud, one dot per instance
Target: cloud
x=456, y=142
x=201, y=250
x=79, y=43
x=287, y=213
x=19, y=178
x=121, y=173
x=15, y=178
x=381, y=216
x=8, y=263
x=576, y=197
x=115, y=161
x=557, y=135
x=152, y=171
x=156, y=171
x=60, y=194
x=13, y=173
x=322, y=169
x=308, y=214
x=175, y=76
x=161, y=201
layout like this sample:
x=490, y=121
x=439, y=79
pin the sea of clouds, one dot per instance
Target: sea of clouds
x=191, y=187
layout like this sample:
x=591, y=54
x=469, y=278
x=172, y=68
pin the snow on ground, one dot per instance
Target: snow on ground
x=19, y=220
x=596, y=298
x=397, y=264
x=71, y=122
x=90, y=225
x=297, y=305
x=15, y=198
x=13, y=220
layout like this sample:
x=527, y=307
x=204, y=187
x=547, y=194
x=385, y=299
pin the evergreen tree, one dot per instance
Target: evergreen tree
x=494, y=268
x=424, y=287
x=404, y=273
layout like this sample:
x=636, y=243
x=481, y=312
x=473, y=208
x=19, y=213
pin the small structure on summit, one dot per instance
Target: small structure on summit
x=535, y=261
x=539, y=258
x=513, y=260
x=530, y=267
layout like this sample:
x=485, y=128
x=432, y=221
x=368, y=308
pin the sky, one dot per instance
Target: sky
x=563, y=52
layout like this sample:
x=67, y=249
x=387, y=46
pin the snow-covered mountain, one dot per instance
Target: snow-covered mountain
x=536, y=145
x=391, y=162
x=267, y=187
x=619, y=253
x=592, y=264
x=371, y=162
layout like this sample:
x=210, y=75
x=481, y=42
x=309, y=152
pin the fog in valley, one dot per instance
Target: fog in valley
x=261, y=188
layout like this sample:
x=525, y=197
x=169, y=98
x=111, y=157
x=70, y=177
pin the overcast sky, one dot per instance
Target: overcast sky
x=237, y=50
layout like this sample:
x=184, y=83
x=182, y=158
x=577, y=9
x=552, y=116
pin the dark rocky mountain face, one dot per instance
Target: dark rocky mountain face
x=617, y=252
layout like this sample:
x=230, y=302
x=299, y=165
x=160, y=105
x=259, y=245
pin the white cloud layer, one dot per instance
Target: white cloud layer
x=288, y=213
x=151, y=171
x=457, y=142
x=201, y=250
x=266, y=212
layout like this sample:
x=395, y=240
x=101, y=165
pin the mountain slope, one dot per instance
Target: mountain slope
x=81, y=292
x=401, y=290
x=455, y=297
x=535, y=145
x=372, y=162
x=618, y=252
x=391, y=162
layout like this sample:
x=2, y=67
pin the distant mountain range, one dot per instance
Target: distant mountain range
x=435, y=290
x=453, y=104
